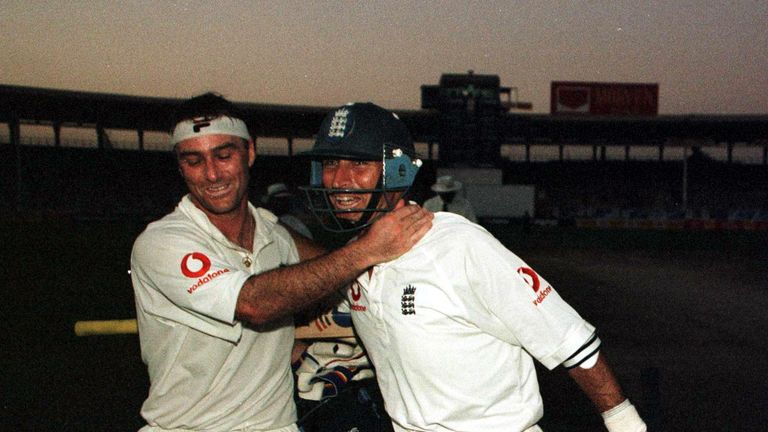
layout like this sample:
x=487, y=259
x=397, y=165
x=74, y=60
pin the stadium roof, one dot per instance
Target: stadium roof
x=30, y=105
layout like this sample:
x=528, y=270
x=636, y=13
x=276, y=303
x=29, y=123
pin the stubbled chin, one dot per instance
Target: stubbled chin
x=218, y=205
x=352, y=217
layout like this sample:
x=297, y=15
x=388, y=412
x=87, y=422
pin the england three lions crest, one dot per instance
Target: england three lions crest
x=407, y=306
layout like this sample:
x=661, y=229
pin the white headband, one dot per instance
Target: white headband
x=201, y=126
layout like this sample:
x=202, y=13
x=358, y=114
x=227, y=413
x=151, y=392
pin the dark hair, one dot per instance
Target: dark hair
x=209, y=105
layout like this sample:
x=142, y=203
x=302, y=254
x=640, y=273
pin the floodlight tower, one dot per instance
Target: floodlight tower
x=470, y=108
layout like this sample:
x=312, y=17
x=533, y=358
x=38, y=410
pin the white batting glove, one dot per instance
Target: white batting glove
x=328, y=366
x=623, y=418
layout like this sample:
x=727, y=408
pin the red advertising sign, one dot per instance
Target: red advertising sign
x=619, y=99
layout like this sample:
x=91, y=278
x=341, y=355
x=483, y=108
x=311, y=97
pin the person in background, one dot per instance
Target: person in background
x=217, y=281
x=452, y=327
x=449, y=198
x=280, y=201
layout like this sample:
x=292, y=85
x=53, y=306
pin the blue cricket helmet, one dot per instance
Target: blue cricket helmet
x=361, y=131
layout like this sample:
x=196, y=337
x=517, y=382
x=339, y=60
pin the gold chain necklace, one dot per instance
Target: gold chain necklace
x=251, y=233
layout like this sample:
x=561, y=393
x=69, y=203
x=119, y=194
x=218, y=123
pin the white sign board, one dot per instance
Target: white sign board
x=503, y=201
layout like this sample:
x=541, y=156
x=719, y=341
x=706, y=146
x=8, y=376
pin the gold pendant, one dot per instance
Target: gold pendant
x=247, y=261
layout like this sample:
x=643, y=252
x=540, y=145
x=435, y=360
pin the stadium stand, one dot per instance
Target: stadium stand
x=110, y=183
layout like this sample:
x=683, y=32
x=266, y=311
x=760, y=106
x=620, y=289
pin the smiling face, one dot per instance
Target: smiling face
x=350, y=174
x=216, y=171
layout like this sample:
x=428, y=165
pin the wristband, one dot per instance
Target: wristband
x=623, y=418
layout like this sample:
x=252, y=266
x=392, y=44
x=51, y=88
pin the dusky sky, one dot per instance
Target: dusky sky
x=706, y=56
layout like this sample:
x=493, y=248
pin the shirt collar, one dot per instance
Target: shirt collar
x=265, y=222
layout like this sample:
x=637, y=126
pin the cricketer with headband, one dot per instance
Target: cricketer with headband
x=454, y=325
x=217, y=281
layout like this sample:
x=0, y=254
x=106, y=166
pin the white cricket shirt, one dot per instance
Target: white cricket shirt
x=451, y=328
x=207, y=370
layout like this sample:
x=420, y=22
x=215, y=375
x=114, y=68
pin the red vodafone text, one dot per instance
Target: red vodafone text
x=204, y=280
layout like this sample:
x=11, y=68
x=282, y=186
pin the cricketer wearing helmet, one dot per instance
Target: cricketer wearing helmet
x=453, y=326
x=378, y=148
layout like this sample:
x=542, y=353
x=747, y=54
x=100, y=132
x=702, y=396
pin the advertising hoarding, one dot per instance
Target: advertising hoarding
x=596, y=98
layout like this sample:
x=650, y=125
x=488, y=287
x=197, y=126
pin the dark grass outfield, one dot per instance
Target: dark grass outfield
x=682, y=317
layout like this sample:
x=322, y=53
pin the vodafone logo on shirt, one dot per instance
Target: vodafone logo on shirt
x=199, y=261
x=196, y=265
x=355, y=293
x=532, y=279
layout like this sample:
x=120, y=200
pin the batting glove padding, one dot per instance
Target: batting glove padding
x=327, y=367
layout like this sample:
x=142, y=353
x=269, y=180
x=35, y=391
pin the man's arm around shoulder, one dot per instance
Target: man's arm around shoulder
x=276, y=293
